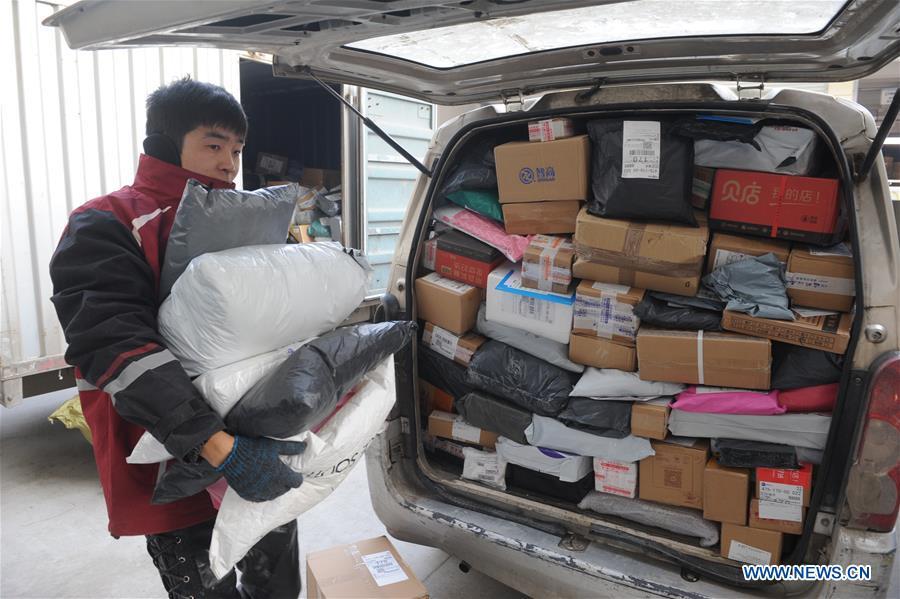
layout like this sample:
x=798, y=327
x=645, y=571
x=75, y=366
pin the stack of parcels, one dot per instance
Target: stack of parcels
x=675, y=361
x=317, y=214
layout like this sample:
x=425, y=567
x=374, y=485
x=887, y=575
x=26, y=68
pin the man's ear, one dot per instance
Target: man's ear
x=161, y=147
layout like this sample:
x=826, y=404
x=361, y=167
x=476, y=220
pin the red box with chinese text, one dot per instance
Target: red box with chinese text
x=770, y=205
x=785, y=478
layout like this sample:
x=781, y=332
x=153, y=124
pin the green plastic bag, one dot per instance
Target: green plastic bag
x=483, y=202
x=317, y=229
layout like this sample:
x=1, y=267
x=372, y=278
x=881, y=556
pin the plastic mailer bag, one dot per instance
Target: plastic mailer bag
x=484, y=202
x=524, y=380
x=540, y=347
x=231, y=305
x=486, y=467
x=728, y=401
x=484, y=229
x=739, y=453
x=553, y=434
x=330, y=455
x=659, y=313
x=606, y=418
x=754, y=286
x=773, y=149
x=794, y=366
x=817, y=398
x=489, y=413
x=309, y=383
x=567, y=467
x=608, y=383
x=442, y=372
x=680, y=520
x=211, y=220
x=799, y=430
x=70, y=414
x=642, y=170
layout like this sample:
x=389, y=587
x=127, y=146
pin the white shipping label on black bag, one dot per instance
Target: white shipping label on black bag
x=640, y=149
x=384, y=568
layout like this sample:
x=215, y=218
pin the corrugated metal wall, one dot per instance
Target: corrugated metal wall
x=71, y=129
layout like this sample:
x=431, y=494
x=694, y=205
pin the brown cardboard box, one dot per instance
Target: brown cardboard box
x=728, y=360
x=371, y=568
x=616, y=478
x=818, y=278
x=725, y=493
x=725, y=248
x=320, y=177
x=675, y=474
x=586, y=269
x=606, y=310
x=550, y=129
x=702, y=186
x=650, y=419
x=668, y=249
x=529, y=218
x=600, y=353
x=452, y=426
x=543, y=171
x=449, y=304
x=785, y=526
x=750, y=545
x=459, y=348
x=547, y=263
x=830, y=333
x=434, y=398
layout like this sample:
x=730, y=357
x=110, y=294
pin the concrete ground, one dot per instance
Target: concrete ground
x=54, y=543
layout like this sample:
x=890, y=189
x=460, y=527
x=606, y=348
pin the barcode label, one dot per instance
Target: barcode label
x=640, y=149
x=384, y=568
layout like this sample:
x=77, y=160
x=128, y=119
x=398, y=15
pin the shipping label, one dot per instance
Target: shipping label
x=429, y=253
x=640, y=149
x=454, y=286
x=463, y=431
x=808, y=282
x=840, y=249
x=776, y=510
x=605, y=316
x=780, y=493
x=741, y=552
x=615, y=478
x=527, y=307
x=443, y=342
x=384, y=568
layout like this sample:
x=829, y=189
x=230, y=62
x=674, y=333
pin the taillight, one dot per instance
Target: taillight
x=873, y=491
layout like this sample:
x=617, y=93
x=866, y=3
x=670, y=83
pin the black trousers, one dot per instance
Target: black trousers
x=270, y=570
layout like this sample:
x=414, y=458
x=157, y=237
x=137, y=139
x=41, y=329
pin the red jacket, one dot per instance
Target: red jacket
x=105, y=275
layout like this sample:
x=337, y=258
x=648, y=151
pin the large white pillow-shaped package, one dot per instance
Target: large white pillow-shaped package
x=609, y=383
x=221, y=388
x=330, y=454
x=242, y=302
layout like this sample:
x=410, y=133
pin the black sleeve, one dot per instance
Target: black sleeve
x=105, y=296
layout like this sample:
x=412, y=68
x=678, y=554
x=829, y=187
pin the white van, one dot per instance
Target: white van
x=536, y=59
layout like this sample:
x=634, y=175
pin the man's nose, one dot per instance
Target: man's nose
x=229, y=164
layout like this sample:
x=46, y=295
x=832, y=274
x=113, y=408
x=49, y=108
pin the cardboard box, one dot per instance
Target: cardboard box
x=727, y=360
x=668, y=249
x=606, y=310
x=725, y=249
x=550, y=129
x=785, y=526
x=821, y=278
x=547, y=263
x=452, y=426
x=828, y=332
x=616, y=478
x=785, y=485
x=702, y=186
x=371, y=568
x=529, y=218
x=725, y=493
x=447, y=303
x=463, y=258
x=601, y=353
x=770, y=205
x=320, y=177
x=586, y=269
x=750, y=545
x=300, y=233
x=434, y=398
x=674, y=475
x=543, y=313
x=459, y=348
x=650, y=419
x=541, y=172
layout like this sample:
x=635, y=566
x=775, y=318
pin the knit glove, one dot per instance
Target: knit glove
x=255, y=471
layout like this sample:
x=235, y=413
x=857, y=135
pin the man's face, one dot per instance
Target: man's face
x=212, y=151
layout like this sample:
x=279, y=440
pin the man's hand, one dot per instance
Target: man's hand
x=217, y=448
x=253, y=467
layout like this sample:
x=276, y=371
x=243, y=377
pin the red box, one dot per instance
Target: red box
x=463, y=269
x=769, y=205
x=783, y=476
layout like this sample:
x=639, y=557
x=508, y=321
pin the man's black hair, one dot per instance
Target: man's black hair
x=175, y=109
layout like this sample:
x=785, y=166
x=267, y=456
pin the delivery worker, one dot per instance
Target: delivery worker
x=105, y=275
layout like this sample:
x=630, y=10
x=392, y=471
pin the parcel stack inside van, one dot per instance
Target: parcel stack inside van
x=642, y=318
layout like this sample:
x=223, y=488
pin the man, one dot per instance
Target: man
x=105, y=275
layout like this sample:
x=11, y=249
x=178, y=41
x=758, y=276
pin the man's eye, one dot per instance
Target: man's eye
x=237, y=152
x=215, y=147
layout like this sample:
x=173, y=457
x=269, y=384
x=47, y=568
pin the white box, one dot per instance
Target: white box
x=567, y=467
x=550, y=129
x=616, y=478
x=540, y=312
